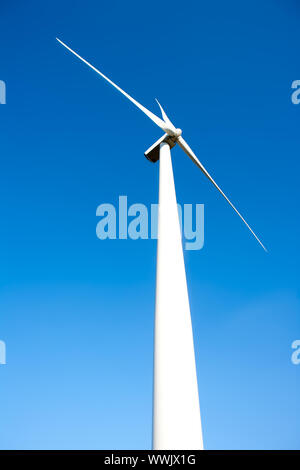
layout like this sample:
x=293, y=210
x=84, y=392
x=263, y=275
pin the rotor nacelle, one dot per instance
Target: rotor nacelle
x=152, y=154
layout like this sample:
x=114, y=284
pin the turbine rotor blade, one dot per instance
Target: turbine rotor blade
x=159, y=122
x=165, y=117
x=185, y=147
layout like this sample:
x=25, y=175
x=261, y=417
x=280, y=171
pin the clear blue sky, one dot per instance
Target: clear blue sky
x=76, y=312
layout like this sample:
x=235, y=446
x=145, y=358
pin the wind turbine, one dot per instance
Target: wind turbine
x=176, y=411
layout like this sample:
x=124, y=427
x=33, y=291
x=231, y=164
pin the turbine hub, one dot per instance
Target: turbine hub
x=178, y=132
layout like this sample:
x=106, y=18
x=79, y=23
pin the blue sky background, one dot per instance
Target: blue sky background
x=76, y=313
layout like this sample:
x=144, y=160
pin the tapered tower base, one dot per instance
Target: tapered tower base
x=176, y=412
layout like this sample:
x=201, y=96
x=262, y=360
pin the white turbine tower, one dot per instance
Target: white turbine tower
x=176, y=411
